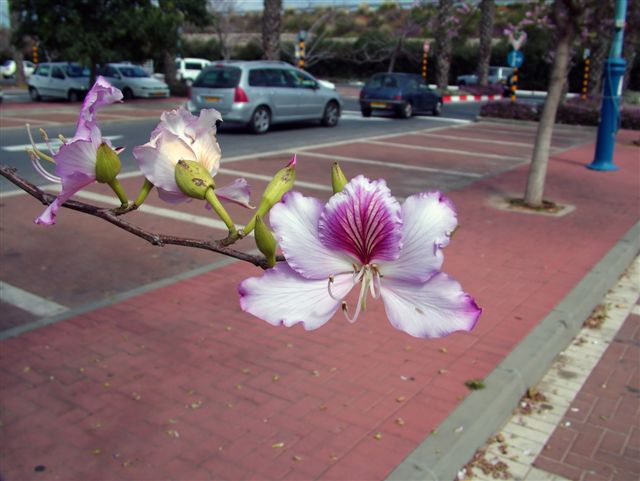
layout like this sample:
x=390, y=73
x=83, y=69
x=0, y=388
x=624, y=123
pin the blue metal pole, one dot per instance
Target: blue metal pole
x=614, y=68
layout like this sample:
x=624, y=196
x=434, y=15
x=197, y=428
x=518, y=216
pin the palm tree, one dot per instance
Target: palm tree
x=487, y=14
x=443, y=42
x=271, y=26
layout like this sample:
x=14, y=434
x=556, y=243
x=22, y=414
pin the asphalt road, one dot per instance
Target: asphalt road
x=234, y=141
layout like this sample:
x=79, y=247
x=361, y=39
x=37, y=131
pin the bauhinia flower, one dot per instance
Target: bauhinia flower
x=362, y=236
x=188, y=143
x=87, y=157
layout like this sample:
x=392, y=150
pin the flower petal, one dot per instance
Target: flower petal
x=431, y=309
x=363, y=220
x=70, y=185
x=102, y=93
x=77, y=157
x=428, y=220
x=172, y=197
x=237, y=192
x=295, y=223
x=282, y=297
x=157, y=159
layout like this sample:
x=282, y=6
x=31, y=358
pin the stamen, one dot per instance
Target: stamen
x=375, y=282
x=35, y=160
x=363, y=293
x=45, y=137
x=35, y=149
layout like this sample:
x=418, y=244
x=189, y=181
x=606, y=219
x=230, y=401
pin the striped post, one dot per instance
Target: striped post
x=301, y=49
x=514, y=84
x=585, y=79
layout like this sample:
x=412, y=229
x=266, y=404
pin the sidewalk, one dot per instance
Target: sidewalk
x=177, y=383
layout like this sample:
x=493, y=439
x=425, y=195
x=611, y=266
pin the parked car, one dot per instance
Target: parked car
x=261, y=93
x=8, y=68
x=402, y=93
x=495, y=75
x=64, y=80
x=133, y=81
x=187, y=69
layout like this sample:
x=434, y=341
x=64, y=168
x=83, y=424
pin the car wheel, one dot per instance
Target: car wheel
x=437, y=108
x=127, y=94
x=260, y=120
x=331, y=115
x=74, y=96
x=406, y=110
x=366, y=112
x=33, y=93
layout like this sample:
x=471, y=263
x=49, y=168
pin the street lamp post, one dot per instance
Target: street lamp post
x=614, y=68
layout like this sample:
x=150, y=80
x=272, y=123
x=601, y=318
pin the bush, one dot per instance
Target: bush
x=572, y=112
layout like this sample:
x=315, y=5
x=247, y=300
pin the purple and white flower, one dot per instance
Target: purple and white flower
x=362, y=236
x=182, y=136
x=76, y=159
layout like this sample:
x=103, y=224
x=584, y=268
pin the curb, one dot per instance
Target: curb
x=440, y=457
x=470, y=98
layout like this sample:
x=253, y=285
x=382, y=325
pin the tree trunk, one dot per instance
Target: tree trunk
x=271, y=26
x=538, y=168
x=596, y=66
x=18, y=58
x=395, y=53
x=487, y=14
x=443, y=43
x=170, y=71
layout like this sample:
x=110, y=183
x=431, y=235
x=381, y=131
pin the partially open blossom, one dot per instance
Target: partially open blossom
x=362, y=236
x=182, y=136
x=77, y=158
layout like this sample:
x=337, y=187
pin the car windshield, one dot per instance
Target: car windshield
x=219, y=78
x=133, y=72
x=76, y=71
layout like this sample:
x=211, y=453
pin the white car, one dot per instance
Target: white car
x=133, y=81
x=8, y=68
x=495, y=75
x=187, y=69
x=64, y=80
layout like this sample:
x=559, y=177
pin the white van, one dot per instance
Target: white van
x=187, y=69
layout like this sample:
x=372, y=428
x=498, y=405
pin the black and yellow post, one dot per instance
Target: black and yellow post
x=34, y=53
x=585, y=79
x=425, y=59
x=514, y=84
x=301, y=51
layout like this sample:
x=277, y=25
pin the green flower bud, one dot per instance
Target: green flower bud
x=338, y=179
x=107, y=164
x=193, y=178
x=281, y=183
x=265, y=241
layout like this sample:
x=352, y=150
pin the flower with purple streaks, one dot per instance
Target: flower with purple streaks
x=362, y=236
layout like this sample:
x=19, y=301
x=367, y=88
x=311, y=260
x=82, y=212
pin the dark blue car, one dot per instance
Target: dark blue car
x=402, y=93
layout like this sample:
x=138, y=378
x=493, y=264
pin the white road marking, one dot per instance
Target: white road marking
x=447, y=151
x=417, y=168
x=267, y=178
x=356, y=115
x=54, y=143
x=29, y=302
x=485, y=141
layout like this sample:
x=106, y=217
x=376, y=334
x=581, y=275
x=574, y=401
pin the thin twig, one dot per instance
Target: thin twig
x=113, y=216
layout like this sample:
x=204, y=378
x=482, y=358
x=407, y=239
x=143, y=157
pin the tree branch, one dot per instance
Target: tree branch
x=113, y=216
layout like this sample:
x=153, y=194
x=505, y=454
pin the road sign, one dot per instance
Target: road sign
x=515, y=58
x=425, y=46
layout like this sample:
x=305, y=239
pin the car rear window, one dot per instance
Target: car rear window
x=380, y=81
x=219, y=78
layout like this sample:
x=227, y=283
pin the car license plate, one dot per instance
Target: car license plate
x=213, y=99
x=379, y=105
x=158, y=94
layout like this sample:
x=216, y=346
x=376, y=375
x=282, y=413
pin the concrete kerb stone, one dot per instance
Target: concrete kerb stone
x=441, y=455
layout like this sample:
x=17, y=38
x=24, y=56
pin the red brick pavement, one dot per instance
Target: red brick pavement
x=178, y=383
x=602, y=441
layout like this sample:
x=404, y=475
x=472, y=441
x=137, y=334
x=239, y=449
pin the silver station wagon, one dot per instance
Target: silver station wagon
x=261, y=93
